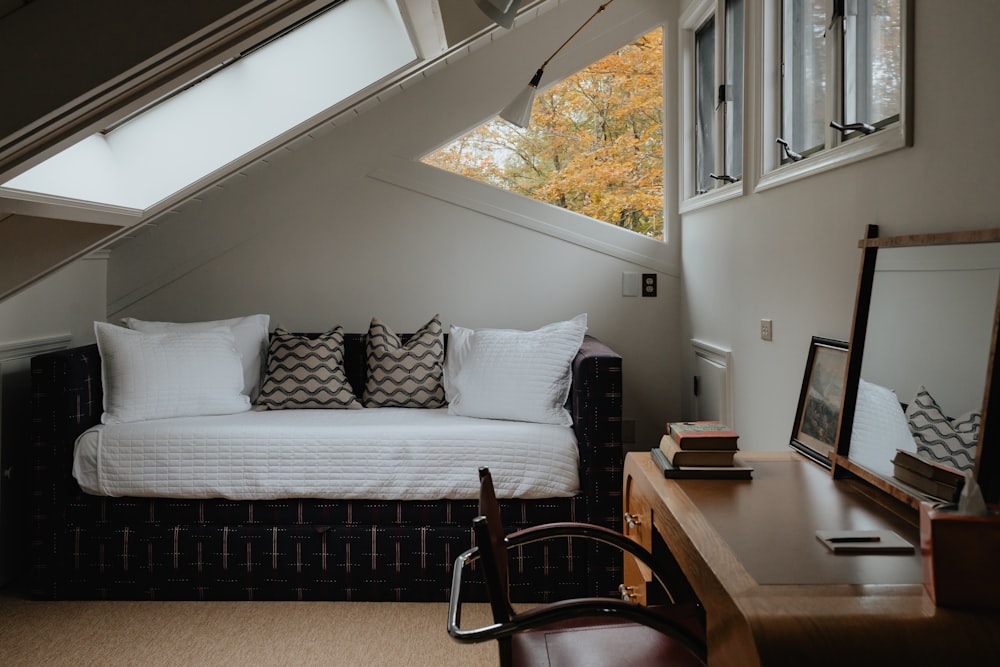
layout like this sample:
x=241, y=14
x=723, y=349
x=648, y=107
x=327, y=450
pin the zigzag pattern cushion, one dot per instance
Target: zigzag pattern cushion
x=949, y=441
x=405, y=376
x=304, y=372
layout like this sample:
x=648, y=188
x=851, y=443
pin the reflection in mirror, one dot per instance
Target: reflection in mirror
x=925, y=362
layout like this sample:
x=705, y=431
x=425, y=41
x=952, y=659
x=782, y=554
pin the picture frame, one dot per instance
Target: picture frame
x=821, y=400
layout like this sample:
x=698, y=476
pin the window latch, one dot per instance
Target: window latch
x=837, y=12
x=863, y=128
x=725, y=178
x=788, y=152
x=723, y=97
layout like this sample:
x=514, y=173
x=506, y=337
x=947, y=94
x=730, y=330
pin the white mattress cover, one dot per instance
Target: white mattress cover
x=378, y=454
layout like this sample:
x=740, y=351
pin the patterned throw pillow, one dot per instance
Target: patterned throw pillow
x=949, y=441
x=405, y=376
x=305, y=372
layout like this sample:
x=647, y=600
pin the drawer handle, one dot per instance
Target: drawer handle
x=626, y=592
x=632, y=520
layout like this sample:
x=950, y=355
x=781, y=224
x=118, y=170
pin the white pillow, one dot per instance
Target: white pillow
x=458, y=350
x=251, y=341
x=160, y=375
x=879, y=428
x=516, y=375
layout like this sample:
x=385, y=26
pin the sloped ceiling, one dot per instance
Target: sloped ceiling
x=75, y=68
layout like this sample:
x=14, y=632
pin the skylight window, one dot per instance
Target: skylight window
x=238, y=109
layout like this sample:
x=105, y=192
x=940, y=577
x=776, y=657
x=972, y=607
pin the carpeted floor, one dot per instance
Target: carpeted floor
x=154, y=634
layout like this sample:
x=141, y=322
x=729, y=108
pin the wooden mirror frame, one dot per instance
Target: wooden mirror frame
x=987, y=469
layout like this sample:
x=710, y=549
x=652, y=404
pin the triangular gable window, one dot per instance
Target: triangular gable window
x=594, y=144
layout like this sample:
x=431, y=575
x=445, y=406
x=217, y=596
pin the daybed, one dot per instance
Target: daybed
x=89, y=546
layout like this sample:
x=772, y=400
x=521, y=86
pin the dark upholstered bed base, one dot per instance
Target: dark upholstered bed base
x=304, y=550
x=91, y=547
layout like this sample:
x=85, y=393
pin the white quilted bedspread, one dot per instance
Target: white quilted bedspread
x=378, y=454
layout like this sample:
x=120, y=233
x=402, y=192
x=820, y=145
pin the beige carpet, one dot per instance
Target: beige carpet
x=235, y=633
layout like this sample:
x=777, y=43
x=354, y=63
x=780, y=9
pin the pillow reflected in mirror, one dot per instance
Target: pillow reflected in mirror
x=879, y=428
x=951, y=442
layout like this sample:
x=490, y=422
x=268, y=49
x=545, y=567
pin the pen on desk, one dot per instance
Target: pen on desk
x=854, y=538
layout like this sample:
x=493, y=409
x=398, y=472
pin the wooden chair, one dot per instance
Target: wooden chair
x=578, y=632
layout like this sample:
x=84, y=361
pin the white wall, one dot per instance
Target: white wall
x=315, y=242
x=57, y=312
x=791, y=254
x=67, y=302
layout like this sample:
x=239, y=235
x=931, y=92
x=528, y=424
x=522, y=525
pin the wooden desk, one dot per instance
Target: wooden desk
x=773, y=594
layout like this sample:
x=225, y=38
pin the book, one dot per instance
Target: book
x=864, y=542
x=703, y=435
x=932, y=487
x=739, y=469
x=695, y=457
x=927, y=468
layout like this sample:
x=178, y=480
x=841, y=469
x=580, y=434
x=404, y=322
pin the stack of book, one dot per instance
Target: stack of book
x=934, y=479
x=700, y=449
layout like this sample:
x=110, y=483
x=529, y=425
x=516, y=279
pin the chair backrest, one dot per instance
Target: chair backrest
x=492, y=549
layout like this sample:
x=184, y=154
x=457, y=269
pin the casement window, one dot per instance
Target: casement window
x=843, y=79
x=714, y=37
x=704, y=56
x=734, y=77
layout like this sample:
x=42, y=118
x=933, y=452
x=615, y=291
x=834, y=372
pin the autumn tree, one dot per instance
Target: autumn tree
x=594, y=144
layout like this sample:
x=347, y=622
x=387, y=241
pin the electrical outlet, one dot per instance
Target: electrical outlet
x=766, y=329
x=649, y=284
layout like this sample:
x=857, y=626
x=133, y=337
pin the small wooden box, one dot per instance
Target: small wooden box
x=960, y=555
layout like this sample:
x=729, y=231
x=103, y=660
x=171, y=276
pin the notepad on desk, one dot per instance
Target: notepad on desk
x=864, y=542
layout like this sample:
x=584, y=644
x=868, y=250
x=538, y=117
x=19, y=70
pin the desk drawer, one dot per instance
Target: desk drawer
x=637, y=524
x=638, y=519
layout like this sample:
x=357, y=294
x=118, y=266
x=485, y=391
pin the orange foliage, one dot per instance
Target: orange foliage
x=594, y=144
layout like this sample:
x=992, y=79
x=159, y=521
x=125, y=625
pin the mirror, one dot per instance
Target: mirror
x=921, y=363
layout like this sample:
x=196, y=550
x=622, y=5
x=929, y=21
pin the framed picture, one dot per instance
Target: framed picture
x=820, y=400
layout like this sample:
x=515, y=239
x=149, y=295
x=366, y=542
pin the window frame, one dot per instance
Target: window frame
x=734, y=50
x=835, y=152
x=705, y=116
x=532, y=214
x=667, y=198
x=697, y=15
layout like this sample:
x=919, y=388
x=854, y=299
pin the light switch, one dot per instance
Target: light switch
x=630, y=283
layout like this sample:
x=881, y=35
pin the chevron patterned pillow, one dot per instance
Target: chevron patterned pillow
x=949, y=441
x=405, y=376
x=304, y=372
